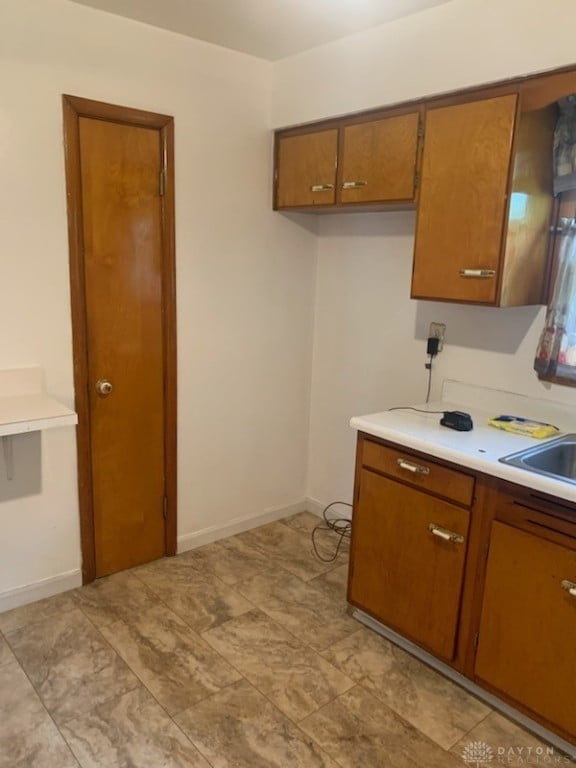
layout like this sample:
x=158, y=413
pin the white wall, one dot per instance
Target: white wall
x=369, y=348
x=245, y=276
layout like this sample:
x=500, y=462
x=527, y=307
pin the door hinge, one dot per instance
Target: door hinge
x=416, y=180
x=476, y=640
x=165, y=507
x=162, y=182
x=421, y=130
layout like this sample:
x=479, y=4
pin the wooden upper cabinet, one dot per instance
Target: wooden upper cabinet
x=306, y=169
x=465, y=169
x=370, y=163
x=379, y=160
x=485, y=203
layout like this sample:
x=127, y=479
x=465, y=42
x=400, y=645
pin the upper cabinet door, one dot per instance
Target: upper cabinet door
x=306, y=169
x=463, y=207
x=379, y=160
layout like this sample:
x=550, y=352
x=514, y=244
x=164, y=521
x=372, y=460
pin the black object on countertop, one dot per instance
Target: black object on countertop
x=458, y=420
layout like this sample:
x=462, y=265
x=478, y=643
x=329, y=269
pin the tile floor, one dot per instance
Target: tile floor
x=240, y=654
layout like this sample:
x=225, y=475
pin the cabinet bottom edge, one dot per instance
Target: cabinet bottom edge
x=520, y=718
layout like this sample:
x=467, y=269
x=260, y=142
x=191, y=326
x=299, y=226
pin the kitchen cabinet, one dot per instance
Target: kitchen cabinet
x=379, y=160
x=485, y=203
x=306, y=169
x=409, y=545
x=477, y=572
x=353, y=163
x=528, y=620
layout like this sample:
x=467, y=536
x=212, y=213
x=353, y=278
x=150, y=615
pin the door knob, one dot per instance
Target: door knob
x=103, y=387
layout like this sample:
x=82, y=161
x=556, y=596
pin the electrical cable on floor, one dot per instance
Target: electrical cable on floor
x=341, y=526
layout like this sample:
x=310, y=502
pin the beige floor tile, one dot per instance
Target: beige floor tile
x=288, y=548
x=70, y=664
x=334, y=584
x=327, y=541
x=432, y=703
x=6, y=654
x=509, y=744
x=358, y=730
x=229, y=559
x=301, y=607
x=28, y=737
x=240, y=728
x=38, y=611
x=130, y=731
x=176, y=665
x=293, y=676
x=200, y=598
x=120, y=596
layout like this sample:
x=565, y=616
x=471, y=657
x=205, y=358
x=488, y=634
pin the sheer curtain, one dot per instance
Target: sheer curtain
x=556, y=353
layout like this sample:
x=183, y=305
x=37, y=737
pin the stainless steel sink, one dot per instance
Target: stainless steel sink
x=555, y=458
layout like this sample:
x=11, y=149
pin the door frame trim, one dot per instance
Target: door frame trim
x=75, y=107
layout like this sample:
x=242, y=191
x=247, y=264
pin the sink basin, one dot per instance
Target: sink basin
x=556, y=458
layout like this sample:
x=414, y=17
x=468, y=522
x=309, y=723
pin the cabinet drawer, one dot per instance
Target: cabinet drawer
x=418, y=472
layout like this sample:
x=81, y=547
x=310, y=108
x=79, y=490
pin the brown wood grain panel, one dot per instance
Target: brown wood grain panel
x=382, y=155
x=404, y=575
x=75, y=110
x=528, y=626
x=462, y=204
x=439, y=480
x=306, y=161
x=524, y=273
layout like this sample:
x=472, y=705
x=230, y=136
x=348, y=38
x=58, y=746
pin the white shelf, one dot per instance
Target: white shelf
x=25, y=406
x=31, y=413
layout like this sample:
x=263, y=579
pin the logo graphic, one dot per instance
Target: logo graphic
x=477, y=754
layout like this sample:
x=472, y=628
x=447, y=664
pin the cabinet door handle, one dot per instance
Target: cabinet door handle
x=569, y=586
x=442, y=533
x=417, y=469
x=354, y=184
x=321, y=187
x=478, y=273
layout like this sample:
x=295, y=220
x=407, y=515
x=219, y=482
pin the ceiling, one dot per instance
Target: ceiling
x=269, y=29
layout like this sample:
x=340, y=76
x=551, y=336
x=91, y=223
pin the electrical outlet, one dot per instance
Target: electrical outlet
x=438, y=330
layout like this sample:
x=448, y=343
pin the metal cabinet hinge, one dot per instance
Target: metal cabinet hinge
x=162, y=182
x=416, y=179
x=476, y=640
x=421, y=131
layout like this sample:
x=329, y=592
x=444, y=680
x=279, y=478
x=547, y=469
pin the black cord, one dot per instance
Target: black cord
x=341, y=526
x=429, y=366
x=410, y=408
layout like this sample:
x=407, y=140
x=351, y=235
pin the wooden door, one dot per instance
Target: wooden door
x=379, y=160
x=306, y=169
x=463, y=206
x=528, y=624
x=403, y=574
x=127, y=368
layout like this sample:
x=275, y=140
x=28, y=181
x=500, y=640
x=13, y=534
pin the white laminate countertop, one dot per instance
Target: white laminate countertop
x=481, y=448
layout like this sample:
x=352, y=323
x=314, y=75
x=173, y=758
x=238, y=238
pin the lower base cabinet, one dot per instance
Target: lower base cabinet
x=479, y=572
x=527, y=637
x=409, y=576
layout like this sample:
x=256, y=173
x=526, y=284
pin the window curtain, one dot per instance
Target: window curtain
x=556, y=353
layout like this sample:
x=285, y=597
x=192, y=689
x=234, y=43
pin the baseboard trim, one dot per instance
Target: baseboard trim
x=464, y=682
x=318, y=507
x=30, y=593
x=239, y=524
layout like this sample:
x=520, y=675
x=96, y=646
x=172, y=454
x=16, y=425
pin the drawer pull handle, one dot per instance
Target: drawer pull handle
x=481, y=273
x=417, y=469
x=570, y=587
x=442, y=533
x=354, y=184
x=321, y=187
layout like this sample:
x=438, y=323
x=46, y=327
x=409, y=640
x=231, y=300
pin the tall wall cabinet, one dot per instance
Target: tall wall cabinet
x=476, y=165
